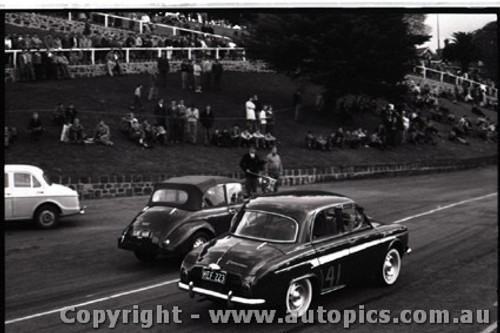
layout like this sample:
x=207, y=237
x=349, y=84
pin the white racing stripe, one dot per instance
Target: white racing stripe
x=125, y=293
x=94, y=301
x=445, y=207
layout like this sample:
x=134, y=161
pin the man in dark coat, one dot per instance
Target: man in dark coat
x=251, y=164
x=207, y=119
x=163, y=69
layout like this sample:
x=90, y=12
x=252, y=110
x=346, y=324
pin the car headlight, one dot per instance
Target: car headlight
x=166, y=241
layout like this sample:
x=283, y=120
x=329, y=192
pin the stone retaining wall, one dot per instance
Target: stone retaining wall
x=139, y=185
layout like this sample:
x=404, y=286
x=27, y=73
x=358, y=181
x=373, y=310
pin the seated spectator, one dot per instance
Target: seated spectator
x=430, y=132
x=35, y=127
x=246, y=138
x=269, y=140
x=235, y=135
x=321, y=143
x=62, y=66
x=363, y=137
x=375, y=141
x=217, y=139
x=102, y=134
x=464, y=125
x=10, y=136
x=137, y=135
x=76, y=132
x=339, y=139
x=453, y=136
x=310, y=140
x=258, y=139
x=353, y=138
x=154, y=133
x=126, y=123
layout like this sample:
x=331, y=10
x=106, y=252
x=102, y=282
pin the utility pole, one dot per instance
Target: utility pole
x=439, y=42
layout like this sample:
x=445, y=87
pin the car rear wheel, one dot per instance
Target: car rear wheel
x=198, y=239
x=299, y=297
x=391, y=267
x=47, y=217
x=147, y=257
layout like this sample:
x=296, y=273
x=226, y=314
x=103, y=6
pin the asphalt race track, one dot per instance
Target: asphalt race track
x=453, y=222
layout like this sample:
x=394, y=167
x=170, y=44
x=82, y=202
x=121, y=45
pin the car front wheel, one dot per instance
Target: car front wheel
x=198, y=239
x=47, y=217
x=391, y=267
x=299, y=297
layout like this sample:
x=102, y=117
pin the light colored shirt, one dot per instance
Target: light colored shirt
x=250, y=110
x=273, y=162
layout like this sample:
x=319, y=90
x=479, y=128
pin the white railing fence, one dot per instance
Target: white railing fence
x=133, y=54
x=448, y=78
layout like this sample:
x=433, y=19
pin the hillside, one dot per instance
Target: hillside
x=111, y=97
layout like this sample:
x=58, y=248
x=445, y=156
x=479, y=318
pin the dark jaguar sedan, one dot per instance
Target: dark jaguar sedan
x=287, y=248
x=182, y=213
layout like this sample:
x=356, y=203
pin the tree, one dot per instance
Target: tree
x=362, y=53
x=487, y=46
x=462, y=49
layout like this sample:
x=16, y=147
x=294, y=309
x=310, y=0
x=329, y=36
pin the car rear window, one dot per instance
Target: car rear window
x=267, y=227
x=170, y=196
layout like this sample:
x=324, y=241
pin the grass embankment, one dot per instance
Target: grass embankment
x=111, y=97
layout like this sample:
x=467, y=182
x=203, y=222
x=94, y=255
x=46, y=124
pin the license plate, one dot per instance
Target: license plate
x=213, y=276
x=142, y=233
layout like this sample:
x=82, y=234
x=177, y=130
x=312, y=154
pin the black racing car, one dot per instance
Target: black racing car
x=182, y=213
x=286, y=248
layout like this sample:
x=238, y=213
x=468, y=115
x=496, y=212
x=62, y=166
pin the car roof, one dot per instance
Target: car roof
x=203, y=182
x=297, y=204
x=22, y=167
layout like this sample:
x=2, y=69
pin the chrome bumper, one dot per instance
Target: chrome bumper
x=229, y=297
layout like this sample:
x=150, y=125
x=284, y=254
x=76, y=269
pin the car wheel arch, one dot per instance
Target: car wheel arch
x=46, y=204
x=396, y=244
x=49, y=207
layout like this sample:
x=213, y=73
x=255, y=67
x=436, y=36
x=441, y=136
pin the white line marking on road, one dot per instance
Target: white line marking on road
x=98, y=300
x=445, y=207
x=490, y=328
x=125, y=293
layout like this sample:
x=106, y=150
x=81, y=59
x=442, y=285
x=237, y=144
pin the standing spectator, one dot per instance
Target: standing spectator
x=153, y=87
x=235, y=135
x=26, y=66
x=171, y=121
x=38, y=65
x=35, y=127
x=217, y=70
x=181, y=120
x=163, y=69
x=263, y=119
x=270, y=119
x=70, y=113
x=185, y=68
x=250, y=113
x=59, y=114
x=102, y=134
x=10, y=135
x=160, y=113
x=297, y=104
x=138, y=98
x=76, y=132
x=197, y=70
x=274, y=166
x=251, y=164
x=207, y=119
x=63, y=66
x=192, y=116
x=207, y=74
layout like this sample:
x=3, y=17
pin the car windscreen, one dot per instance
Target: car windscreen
x=266, y=226
x=170, y=196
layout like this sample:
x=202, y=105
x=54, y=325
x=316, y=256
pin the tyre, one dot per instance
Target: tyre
x=147, y=257
x=47, y=217
x=391, y=267
x=198, y=239
x=298, y=297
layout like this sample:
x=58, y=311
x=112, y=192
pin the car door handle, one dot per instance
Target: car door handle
x=39, y=192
